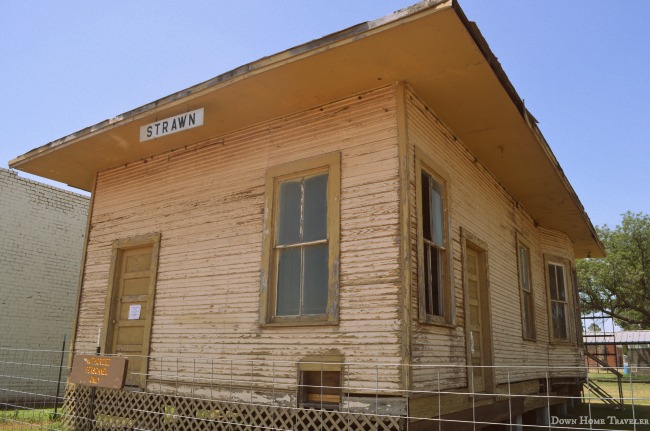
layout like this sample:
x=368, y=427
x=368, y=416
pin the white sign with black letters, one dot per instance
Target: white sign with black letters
x=177, y=123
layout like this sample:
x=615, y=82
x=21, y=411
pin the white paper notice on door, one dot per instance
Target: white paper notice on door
x=134, y=311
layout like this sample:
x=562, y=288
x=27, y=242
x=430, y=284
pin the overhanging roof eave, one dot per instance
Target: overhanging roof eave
x=240, y=72
x=270, y=65
x=531, y=122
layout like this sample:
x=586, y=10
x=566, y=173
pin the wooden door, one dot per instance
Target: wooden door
x=478, y=336
x=129, y=332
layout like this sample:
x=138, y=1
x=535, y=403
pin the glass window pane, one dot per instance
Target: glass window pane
x=559, y=321
x=426, y=208
x=437, y=214
x=427, y=280
x=527, y=317
x=288, y=290
x=561, y=291
x=289, y=212
x=315, y=218
x=316, y=279
x=552, y=279
x=523, y=268
x=433, y=293
x=437, y=281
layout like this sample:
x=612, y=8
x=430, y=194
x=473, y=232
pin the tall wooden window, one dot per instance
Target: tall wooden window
x=301, y=245
x=433, y=244
x=559, y=301
x=300, y=249
x=526, y=289
x=434, y=291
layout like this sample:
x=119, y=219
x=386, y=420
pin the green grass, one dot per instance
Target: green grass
x=596, y=409
x=30, y=419
x=639, y=391
x=605, y=376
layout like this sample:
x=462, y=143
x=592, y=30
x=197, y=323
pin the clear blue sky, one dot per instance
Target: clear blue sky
x=582, y=66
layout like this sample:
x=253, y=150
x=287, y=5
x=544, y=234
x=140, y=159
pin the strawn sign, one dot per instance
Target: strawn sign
x=178, y=123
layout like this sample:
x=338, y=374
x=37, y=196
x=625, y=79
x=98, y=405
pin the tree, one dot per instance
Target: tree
x=593, y=328
x=619, y=285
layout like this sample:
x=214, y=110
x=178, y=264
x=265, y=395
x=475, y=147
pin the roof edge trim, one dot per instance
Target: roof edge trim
x=528, y=118
x=240, y=72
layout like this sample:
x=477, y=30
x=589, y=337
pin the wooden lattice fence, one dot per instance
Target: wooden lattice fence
x=108, y=409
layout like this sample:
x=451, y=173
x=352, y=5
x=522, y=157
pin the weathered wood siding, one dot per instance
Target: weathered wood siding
x=557, y=245
x=480, y=206
x=207, y=201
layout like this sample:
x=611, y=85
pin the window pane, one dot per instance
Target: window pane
x=289, y=212
x=437, y=214
x=433, y=293
x=552, y=280
x=523, y=268
x=316, y=279
x=426, y=208
x=437, y=287
x=315, y=223
x=288, y=290
x=427, y=280
x=561, y=291
x=559, y=321
x=527, y=317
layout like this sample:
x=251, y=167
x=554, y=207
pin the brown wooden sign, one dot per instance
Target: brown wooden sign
x=99, y=371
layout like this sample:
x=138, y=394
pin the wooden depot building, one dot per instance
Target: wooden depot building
x=380, y=196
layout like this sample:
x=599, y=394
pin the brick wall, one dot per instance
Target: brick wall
x=42, y=231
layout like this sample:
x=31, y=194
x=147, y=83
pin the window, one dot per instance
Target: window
x=320, y=389
x=527, y=299
x=302, y=241
x=577, y=319
x=320, y=384
x=559, y=306
x=433, y=263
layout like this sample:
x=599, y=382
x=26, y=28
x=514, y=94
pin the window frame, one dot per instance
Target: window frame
x=424, y=164
x=317, y=365
x=330, y=163
x=313, y=382
x=577, y=317
x=568, y=302
x=522, y=292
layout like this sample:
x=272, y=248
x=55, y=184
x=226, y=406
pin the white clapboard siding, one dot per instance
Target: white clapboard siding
x=482, y=207
x=207, y=201
x=557, y=244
